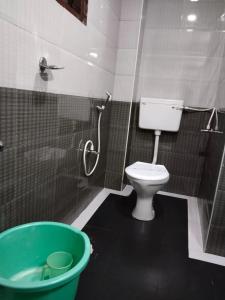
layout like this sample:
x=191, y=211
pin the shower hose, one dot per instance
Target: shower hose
x=89, y=148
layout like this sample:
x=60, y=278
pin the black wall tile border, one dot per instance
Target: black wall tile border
x=41, y=172
x=117, y=144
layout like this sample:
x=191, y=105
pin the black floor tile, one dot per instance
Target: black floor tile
x=145, y=260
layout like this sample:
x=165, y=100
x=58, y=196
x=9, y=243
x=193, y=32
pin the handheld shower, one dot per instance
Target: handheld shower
x=89, y=146
x=103, y=106
x=109, y=98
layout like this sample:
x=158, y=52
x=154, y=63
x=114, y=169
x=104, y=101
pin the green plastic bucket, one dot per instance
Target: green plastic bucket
x=23, y=253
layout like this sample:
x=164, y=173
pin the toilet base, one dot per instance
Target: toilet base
x=144, y=210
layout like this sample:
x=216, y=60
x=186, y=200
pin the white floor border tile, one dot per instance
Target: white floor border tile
x=86, y=215
x=89, y=211
x=195, y=246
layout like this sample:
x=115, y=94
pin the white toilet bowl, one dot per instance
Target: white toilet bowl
x=147, y=179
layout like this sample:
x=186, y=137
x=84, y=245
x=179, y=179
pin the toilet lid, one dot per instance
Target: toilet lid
x=145, y=171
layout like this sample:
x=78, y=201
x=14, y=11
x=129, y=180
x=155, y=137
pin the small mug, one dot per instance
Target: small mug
x=57, y=264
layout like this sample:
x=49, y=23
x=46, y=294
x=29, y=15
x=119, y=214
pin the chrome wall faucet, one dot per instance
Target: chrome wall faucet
x=43, y=65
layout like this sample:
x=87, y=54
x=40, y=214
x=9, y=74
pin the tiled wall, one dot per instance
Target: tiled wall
x=127, y=52
x=30, y=29
x=182, y=59
x=182, y=153
x=43, y=130
x=211, y=197
x=45, y=120
x=41, y=172
x=215, y=242
x=127, y=62
x=117, y=144
x=210, y=175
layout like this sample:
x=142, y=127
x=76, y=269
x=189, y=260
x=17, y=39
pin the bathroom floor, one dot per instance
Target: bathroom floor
x=145, y=260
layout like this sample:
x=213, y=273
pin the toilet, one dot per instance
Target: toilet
x=149, y=178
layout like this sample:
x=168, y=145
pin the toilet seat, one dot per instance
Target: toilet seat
x=145, y=171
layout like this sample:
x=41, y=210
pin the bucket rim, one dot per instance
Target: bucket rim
x=56, y=281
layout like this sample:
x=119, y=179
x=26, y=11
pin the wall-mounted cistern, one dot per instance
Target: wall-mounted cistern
x=89, y=145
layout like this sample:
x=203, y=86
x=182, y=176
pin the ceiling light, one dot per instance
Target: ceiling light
x=222, y=17
x=93, y=54
x=192, y=18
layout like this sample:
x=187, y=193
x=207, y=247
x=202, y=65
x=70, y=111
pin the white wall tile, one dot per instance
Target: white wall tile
x=192, y=92
x=70, y=81
x=202, y=43
x=201, y=68
x=33, y=16
x=123, y=88
x=161, y=67
x=181, y=67
x=128, y=34
x=183, y=42
x=207, y=14
x=164, y=14
x=116, y=6
x=131, y=10
x=220, y=103
x=158, y=88
x=222, y=71
x=20, y=54
x=128, y=45
x=99, y=81
x=89, y=51
x=182, y=59
x=126, y=61
x=64, y=30
x=103, y=18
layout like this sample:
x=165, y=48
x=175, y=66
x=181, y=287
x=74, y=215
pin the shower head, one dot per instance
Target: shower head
x=109, y=98
x=103, y=106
